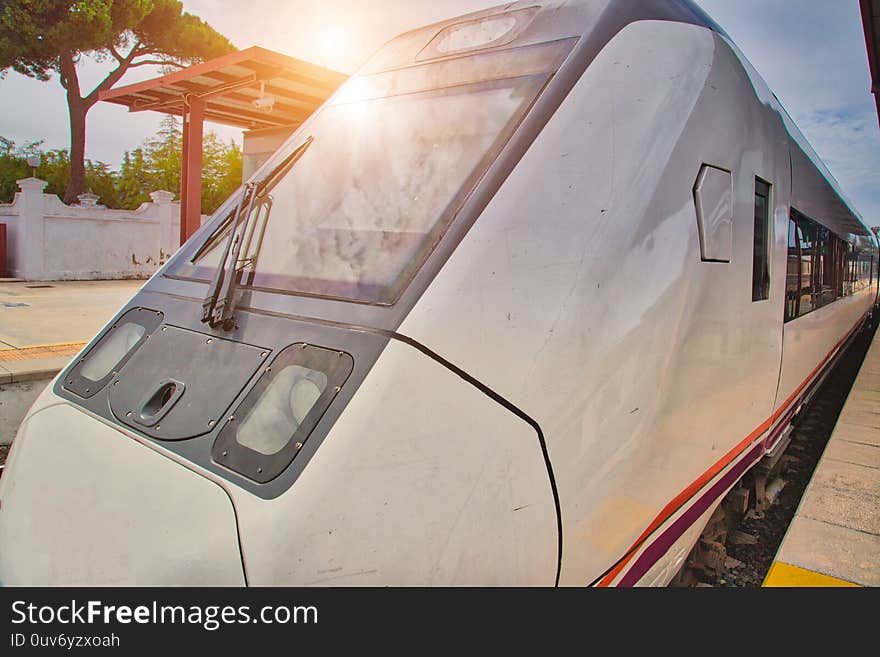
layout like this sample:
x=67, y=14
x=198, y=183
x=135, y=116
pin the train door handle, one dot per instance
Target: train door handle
x=159, y=401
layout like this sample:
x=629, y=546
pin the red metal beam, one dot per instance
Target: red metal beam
x=306, y=72
x=869, y=25
x=309, y=100
x=2, y=250
x=191, y=169
x=233, y=118
x=202, y=91
x=236, y=121
x=222, y=100
x=156, y=98
x=285, y=112
x=255, y=117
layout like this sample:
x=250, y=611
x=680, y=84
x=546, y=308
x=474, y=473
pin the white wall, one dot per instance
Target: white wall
x=48, y=240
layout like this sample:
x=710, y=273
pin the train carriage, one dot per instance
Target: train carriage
x=518, y=305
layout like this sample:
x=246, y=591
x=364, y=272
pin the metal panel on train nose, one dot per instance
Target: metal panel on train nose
x=180, y=383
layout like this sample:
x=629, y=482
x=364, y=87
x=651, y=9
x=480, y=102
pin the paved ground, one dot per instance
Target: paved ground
x=754, y=546
x=42, y=326
x=35, y=314
x=834, y=539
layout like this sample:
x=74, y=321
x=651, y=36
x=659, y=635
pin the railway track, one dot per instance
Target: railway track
x=742, y=538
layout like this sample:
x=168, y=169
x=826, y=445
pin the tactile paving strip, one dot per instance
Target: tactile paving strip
x=41, y=351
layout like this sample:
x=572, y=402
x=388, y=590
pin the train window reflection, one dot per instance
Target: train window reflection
x=793, y=280
x=284, y=405
x=281, y=410
x=823, y=267
x=810, y=266
x=761, y=257
x=825, y=283
x=393, y=158
x=351, y=228
x=108, y=355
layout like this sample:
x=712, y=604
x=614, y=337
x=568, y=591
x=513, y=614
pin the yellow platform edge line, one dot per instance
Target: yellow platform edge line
x=45, y=346
x=42, y=351
x=782, y=574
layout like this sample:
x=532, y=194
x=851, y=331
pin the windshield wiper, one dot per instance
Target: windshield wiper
x=218, y=308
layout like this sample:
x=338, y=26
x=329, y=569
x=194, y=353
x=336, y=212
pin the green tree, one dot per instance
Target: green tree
x=54, y=168
x=13, y=166
x=221, y=171
x=39, y=38
x=101, y=180
x=156, y=165
x=133, y=182
x=153, y=165
x=165, y=154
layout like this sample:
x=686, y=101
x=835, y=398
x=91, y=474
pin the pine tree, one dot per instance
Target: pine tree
x=39, y=38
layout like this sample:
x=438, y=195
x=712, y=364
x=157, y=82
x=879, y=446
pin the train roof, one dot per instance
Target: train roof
x=815, y=190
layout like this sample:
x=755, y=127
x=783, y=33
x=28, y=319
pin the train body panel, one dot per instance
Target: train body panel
x=647, y=569
x=812, y=339
x=359, y=513
x=68, y=520
x=556, y=381
x=619, y=356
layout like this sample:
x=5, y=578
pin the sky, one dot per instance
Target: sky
x=811, y=53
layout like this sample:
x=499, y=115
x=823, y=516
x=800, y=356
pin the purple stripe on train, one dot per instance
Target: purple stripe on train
x=666, y=540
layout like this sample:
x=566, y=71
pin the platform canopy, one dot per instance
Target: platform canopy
x=250, y=89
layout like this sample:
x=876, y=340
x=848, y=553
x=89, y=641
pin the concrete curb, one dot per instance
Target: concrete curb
x=34, y=369
x=834, y=537
x=21, y=382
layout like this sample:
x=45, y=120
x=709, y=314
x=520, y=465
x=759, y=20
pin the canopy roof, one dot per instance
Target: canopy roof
x=871, y=22
x=229, y=85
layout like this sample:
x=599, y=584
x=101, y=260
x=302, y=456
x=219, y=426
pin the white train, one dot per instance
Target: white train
x=517, y=306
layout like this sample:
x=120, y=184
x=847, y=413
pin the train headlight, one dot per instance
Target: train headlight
x=305, y=392
x=107, y=355
x=271, y=425
x=281, y=409
x=93, y=371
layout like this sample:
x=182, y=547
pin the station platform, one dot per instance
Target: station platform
x=42, y=326
x=834, y=538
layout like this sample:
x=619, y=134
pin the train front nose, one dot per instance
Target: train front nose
x=83, y=504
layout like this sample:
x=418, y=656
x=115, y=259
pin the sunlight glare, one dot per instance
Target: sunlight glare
x=332, y=43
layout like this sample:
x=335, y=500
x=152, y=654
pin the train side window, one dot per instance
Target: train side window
x=807, y=236
x=859, y=271
x=761, y=258
x=822, y=267
x=818, y=265
x=793, y=281
x=874, y=271
x=829, y=283
x=713, y=199
x=839, y=266
x=854, y=270
x=848, y=269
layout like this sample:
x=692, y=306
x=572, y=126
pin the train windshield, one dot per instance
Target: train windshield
x=388, y=164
